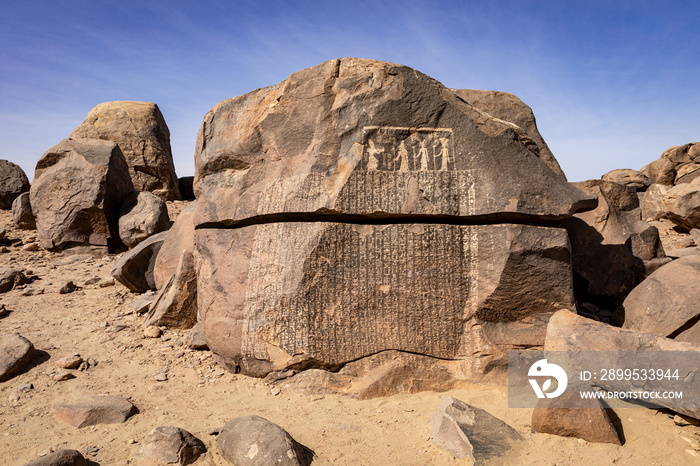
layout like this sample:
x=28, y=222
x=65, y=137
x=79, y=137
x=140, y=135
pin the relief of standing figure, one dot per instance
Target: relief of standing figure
x=423, y=156
x=373, y=152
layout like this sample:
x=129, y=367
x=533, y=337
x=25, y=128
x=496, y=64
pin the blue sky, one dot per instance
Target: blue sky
x=612, y=84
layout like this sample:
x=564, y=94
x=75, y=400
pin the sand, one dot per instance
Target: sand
x=200, y=396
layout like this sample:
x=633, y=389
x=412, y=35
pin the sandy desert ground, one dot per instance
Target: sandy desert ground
x=98, y=322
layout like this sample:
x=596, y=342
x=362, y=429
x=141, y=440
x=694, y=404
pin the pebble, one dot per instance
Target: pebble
x=63, y=375
x=14, y=398
x=31, y=247
x=92, y=362
x=152, y=332
x=275, y=391
x=25, y=387
x=3, y=311
x=161, y=377
x=69, y=287
x=106, y=282
x=92, y=281
x=71, y=361
x=33, y=291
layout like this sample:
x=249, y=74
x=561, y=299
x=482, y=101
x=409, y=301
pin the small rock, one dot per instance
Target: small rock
x=70, y=362
x=171, y=445
x=90, y=410
x=92, y=281
x=141, y=303
x=68, y=288
x=31, y=247
x=63, y=375
x=275, y=391
x=152, y=332
x=25, y=387
x=161, y=378
x=196, y=339
x=92, y=450
x=33, y=291
x=3, y=311
x=60, y=458
x=83, y=366
x=13, y=399
x=685, y=421
x=10, y=278
x=92, y=362
x=106, y=283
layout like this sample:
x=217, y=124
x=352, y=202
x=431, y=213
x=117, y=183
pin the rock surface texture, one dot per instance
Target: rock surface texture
x=143, y=136
x=77, y=193
x=361, y=206
x=13, y=182
x=175, y=306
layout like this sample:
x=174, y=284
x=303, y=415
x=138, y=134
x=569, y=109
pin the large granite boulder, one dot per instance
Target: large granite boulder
x=681, y=205
x=611, y=244
x=667, y=303
x=143, y=136
x=510, y=108
x=142, y=215
x=361, y=206
x=13, y=182
x=77, y=193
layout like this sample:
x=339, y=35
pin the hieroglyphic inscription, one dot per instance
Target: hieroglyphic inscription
x=362, y=289
x=390, y=148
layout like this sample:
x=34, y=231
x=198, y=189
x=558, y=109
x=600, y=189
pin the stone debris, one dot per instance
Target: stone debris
x=152, y=332
x=72, y=361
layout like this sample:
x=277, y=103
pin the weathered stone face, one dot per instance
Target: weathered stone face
x=143, y=136
x=368, y=138
x=360, y=207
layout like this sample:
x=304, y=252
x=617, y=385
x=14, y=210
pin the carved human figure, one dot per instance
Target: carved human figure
x=373, y=152
x=444, y=153
x=402, y=156
x=423, y=156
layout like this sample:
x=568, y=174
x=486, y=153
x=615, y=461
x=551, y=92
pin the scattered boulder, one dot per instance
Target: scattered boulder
x=566, y=416
x=142, y=215
x=180, y=238
x=187, y=188
x=255, y=441
x=610, y=244
x=143, y=136
x=77, y=192
x=175, y=306
x=196, y=339
x=510, y=108
x=68, y=287
x=9, y=278
x=626, y=177
x=60, y=458
x=16, y=352
x=668, y=301
x=465, y=431
x=13, y=182
x=22, y=214
x=90, y=410
x=171, y=445
x=134, y=269
x=573, y=337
